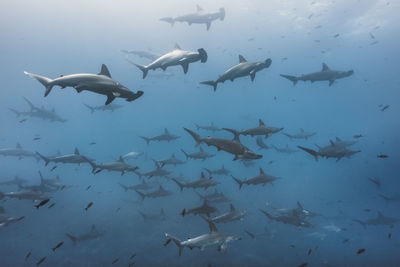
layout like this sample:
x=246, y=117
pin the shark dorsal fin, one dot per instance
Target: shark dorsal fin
x=212, y=226
x=325, y=67
x=166, y=131
x=76, y=152
x=93, y=227
x=201, y=149
x=120, y=159
x=232, y=207
x=338, y=139
x=261, y=171
x=18, y=145
x=332, y=143
x=242, y=59
x=198, y=8
x=177, y=47
x=104, y=71
x=380, y=215
x=156, y=163
x=299, y=206
x=40, y=174
x=261, y=123
x=202, y=176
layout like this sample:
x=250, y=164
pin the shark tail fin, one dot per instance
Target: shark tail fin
x=181, y=186
x=310, y=151
x=16, y=112
x=46, y=82
x=266, y=213
x=124, y=187
x=169, y=20
x=361, y=222
x=290, y=78
x=94, y=166
x=240, y=183
x=73, y=238
x=89, y=107
x=209, y=171
x=186, y=154
x=143, y=69
x=222, y=13
x=176, y=240
x=195, y=136
x=212, y=83
x=141, y=194
x=146, y=139
x=46, y=160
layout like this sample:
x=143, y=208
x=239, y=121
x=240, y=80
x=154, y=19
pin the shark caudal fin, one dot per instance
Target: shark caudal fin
x=89, y=107
x=207, y=170
x=181, y=186
x=310, y=151
x=291, y=78
x=94, y=166
x=146, y=139
x=266, y=214
x=123, y=186
x=169, y=20
x=361, y=222
x=141, y=194
x=16, y=112
x=222, y=13
x=73, y=238
x=212, y=83
x=186, y=154
x=176, y=240
x=195, y=136
x=46, y=160
x=203, y=55
x=46, y=82
x=143, y=69
x=240, y=183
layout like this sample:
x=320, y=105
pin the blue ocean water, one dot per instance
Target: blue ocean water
x=54, y=38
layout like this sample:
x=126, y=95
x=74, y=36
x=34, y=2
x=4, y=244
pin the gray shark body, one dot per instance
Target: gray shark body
x=330, y=151
x=171, y=161
x=326, y=74
x=75, y=158
x=261, y=144
x=200, y=17
x=232, y=215
x=142, y=186
x=6, y=219
x=39, y=112
x=154, y=217
x=262, y=178
x=392, y=198
x=343, y=143
x=18, y=152
x=221, y=171
x=380, y=219
x=177, y=57
x=293, y=219
x=233, y=146
x=212, y=127
x=166, y=136
x=157, y=172
x=202, y=209
x=110, y=107
x=54, y=183
x=203, y=182
x=213, y=238
x=141, y=53
x=161, y=192
x=300, y=135
x=261, y=129
x=285, y=149
x=16, y=181
x=29, y=195
x=92, y=234
x=117, y=166
x=101, y=83
x=215, y=197
x=244, y=68
x=201, y=154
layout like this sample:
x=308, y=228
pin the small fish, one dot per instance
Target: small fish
x=131, y=264
x=27, y=256
x=52, y=205
x=357, y=136
x=374, y=43
x=92, y=143
x=250, y=234
x=132, y=256
x=309, y=252
x=372, y=36
x=390, y=235
x=183, y=212
x=310, y=16
x=317, y=41
x=42, y=203
x=87, y=188
x=115, y=261
x=367, y=210
x=250, y=39
x=40, y=261
x=36, y=138
x=303, y=264
x=89, y=205
x=382, y=156
x=57, y=246
x=52, y=169
x=385, y=108
x=346, y=240
x=21, y=121
x=361, y=250
x=292, y=246
x=284, y=59
x=118, y=209
x=336, y=35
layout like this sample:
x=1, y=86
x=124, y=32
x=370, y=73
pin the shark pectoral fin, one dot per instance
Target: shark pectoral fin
x=252, y=75
x=185, y=66
x=331, y=82
x=110, y=98
x=208, y=25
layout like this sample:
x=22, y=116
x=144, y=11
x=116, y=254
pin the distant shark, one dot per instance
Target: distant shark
x=200, y=17
x=39, y=112
x=326, y=74
x=92, y=234
x=244, y=68
x=101, y=83
x=18, y=152
x=380, y=219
